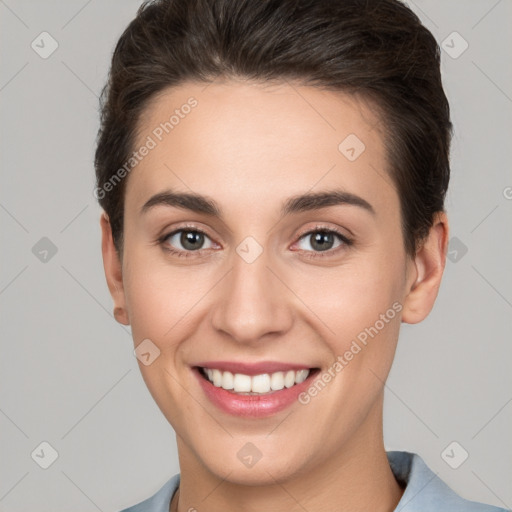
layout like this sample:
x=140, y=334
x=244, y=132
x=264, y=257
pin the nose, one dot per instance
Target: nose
x=252, y=302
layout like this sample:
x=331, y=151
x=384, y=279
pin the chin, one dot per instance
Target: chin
x=246, y=462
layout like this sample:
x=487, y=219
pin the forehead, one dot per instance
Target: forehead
x=259, y=143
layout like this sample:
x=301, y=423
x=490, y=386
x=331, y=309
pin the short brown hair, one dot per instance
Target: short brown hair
x=376, y=48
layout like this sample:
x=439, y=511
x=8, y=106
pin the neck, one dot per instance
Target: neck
x=355, y=478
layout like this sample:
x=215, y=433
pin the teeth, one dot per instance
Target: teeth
x=301, y=376
x=289, y=379
x=217, y=378
x=261, y=383
x=257, y=384
x=241, y=383
x=277, y=381
x=227, y=380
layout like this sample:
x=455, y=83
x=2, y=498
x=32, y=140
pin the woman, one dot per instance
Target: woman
x=273, y=177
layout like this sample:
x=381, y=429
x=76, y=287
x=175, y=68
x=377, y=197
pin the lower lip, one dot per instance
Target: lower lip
x=255, y=406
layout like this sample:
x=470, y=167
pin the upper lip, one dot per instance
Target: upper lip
x=252, y=368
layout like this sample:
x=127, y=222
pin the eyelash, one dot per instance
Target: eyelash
x=346, y=241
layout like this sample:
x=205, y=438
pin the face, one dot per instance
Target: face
x=252, y=279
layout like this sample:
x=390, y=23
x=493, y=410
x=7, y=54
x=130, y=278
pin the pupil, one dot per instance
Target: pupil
x=188, y=238
x=322, y=239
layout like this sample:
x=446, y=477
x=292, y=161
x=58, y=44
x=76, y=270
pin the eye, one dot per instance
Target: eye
x=322, y=239
x=186, y=241
x=183, y=242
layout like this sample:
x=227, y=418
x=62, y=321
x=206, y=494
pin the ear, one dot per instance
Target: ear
x=426, y=271
x=113, y=270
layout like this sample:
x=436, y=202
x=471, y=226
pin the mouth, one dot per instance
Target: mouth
x=261, y=384
x=247, y=391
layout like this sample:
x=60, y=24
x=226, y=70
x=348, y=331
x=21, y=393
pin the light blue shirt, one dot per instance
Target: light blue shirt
x=424, y=491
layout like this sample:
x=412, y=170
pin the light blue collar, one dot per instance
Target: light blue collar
x=424, y=490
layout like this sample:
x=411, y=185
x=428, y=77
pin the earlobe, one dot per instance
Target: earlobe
x=113, y=271
x=429, y=264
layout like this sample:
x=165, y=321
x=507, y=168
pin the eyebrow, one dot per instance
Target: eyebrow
x=296, y=204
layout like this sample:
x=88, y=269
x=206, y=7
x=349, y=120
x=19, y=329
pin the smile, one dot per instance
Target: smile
x=253, y=390
x=257, y=384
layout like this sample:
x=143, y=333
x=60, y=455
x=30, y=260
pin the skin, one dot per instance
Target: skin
x=250, y=147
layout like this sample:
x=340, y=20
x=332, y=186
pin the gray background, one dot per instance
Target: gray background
x=68, y=374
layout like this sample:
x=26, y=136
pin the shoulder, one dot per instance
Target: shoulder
x=425, y=491
x=160, y=501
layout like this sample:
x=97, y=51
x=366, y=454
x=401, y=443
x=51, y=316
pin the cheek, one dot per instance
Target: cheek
x=160, y=302
x=357, y=309
x=156, y=297
x=163, y=299
x=352, y=296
